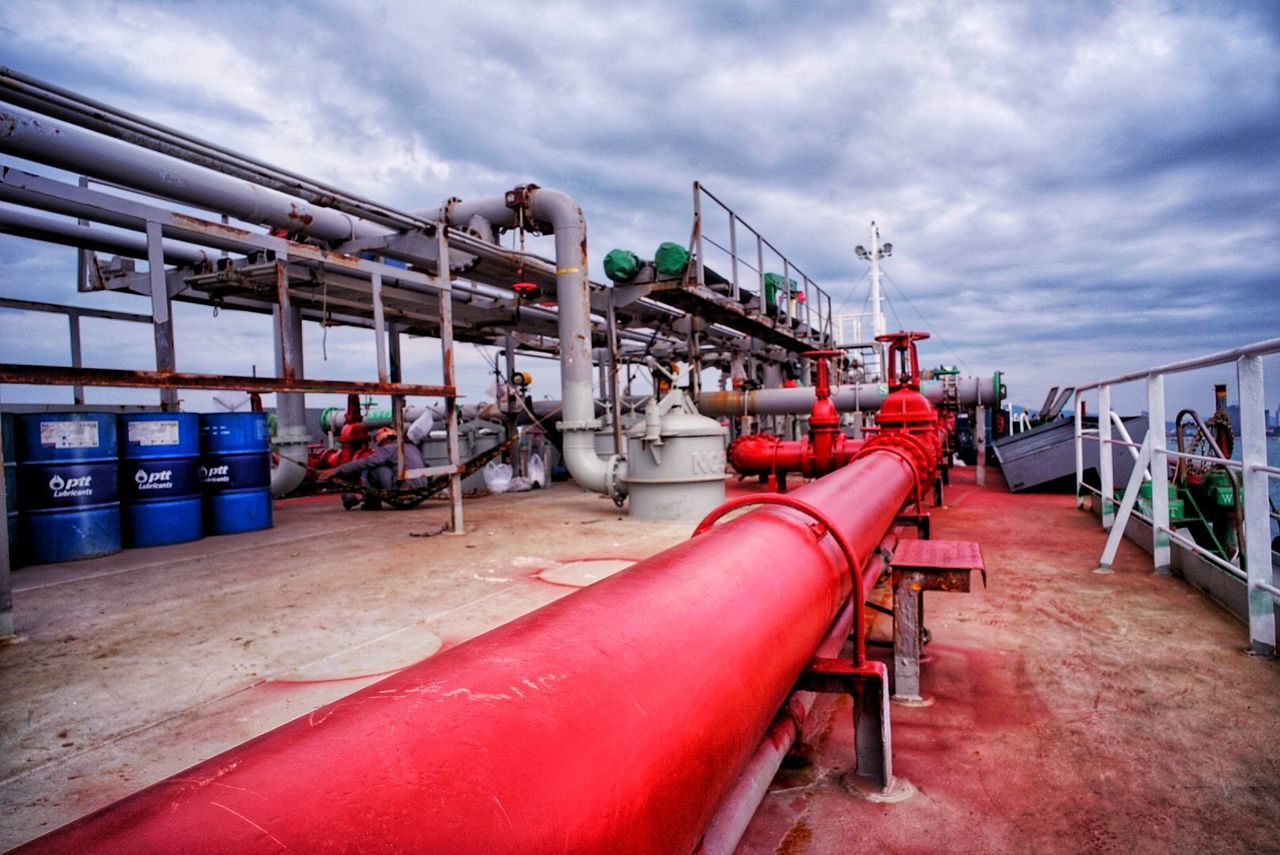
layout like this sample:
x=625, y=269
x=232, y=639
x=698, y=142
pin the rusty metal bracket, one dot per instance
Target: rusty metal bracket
x=51, y=375
x=920, y=521
x=868, y=684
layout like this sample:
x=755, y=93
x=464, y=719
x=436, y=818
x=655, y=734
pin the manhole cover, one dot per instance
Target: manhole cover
x=580, y=574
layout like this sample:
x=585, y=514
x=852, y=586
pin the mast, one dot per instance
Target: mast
x=877, y=308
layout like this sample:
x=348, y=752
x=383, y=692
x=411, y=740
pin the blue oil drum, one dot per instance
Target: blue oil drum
x=10, y=485
x=161, y=493
x=236, y=470
x=67, y=489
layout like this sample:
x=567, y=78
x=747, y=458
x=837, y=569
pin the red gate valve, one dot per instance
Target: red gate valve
x=902, y=343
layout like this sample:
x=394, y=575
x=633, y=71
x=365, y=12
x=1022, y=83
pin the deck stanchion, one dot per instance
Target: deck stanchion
x=1160, y=551
x=1106, y=468
x=1257, y=517
x=1080, y=453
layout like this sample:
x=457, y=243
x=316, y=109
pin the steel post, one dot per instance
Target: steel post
x=615, y=390
x=1160, y=549
x=512, y=429
x=1106, y=468
x=1257, y=518
x=908, y=636
x=980, y=443
x=1079, y=442
x=450, y=402
x=6, y=577
x=161, y=314
x=291, y=407
x=77, y=356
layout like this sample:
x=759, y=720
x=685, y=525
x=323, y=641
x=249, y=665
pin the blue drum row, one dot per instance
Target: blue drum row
x=89, y=483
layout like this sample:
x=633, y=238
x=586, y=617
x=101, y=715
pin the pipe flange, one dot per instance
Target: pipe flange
x=614, y=486
x=588, y=424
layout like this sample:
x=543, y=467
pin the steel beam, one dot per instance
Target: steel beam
x=53, y=375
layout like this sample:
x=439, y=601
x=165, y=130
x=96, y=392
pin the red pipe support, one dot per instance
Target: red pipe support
x=613, y=720
x=734, y=815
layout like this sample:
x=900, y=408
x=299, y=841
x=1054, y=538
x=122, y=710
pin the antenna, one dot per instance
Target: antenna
x=876, y=253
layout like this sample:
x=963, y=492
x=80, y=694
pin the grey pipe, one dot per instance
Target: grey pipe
x=28, y=225
x=579, y=422
x=33, y=137
x=864, y=397
x=28, y=135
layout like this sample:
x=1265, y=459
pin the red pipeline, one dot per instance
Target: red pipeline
x=614, y=720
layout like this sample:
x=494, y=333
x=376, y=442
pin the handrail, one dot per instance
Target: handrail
x=1250, y=478
x=1262, y=348
x=814, y=307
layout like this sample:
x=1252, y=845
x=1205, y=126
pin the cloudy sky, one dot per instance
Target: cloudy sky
x=1073, y=189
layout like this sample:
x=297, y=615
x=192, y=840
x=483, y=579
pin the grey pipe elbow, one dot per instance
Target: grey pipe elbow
x=289, y=469
x=605, y=475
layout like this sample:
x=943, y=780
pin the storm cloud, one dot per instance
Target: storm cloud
x=1072, y=190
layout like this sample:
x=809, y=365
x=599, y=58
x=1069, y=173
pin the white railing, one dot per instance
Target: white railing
x=1152, y=461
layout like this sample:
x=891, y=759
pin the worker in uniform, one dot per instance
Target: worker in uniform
x=379, y=469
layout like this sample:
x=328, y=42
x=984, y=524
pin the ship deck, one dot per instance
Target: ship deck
x=1072, y=711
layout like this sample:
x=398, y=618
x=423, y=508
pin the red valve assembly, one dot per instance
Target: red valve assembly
x=353, y=441
x=823, y=451
x=907, y=423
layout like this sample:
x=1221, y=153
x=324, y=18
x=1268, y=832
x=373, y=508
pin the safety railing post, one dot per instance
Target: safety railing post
x=1106, y=471
x=1257, y=518
x=1080, y=452
x=1160, y=549
x=697, y=218
x=733, y=255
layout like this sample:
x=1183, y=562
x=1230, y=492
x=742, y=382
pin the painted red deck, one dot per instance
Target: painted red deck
x=1073, y=712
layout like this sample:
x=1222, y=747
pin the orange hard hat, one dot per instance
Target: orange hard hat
x=383, y=434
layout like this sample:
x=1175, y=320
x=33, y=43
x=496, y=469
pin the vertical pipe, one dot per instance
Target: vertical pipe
x=450, y=402
x=1257, y=519
x=1106, y=469
x=1160, y=553
x=1079, y=437
x=162, y=320
x=77, y=358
